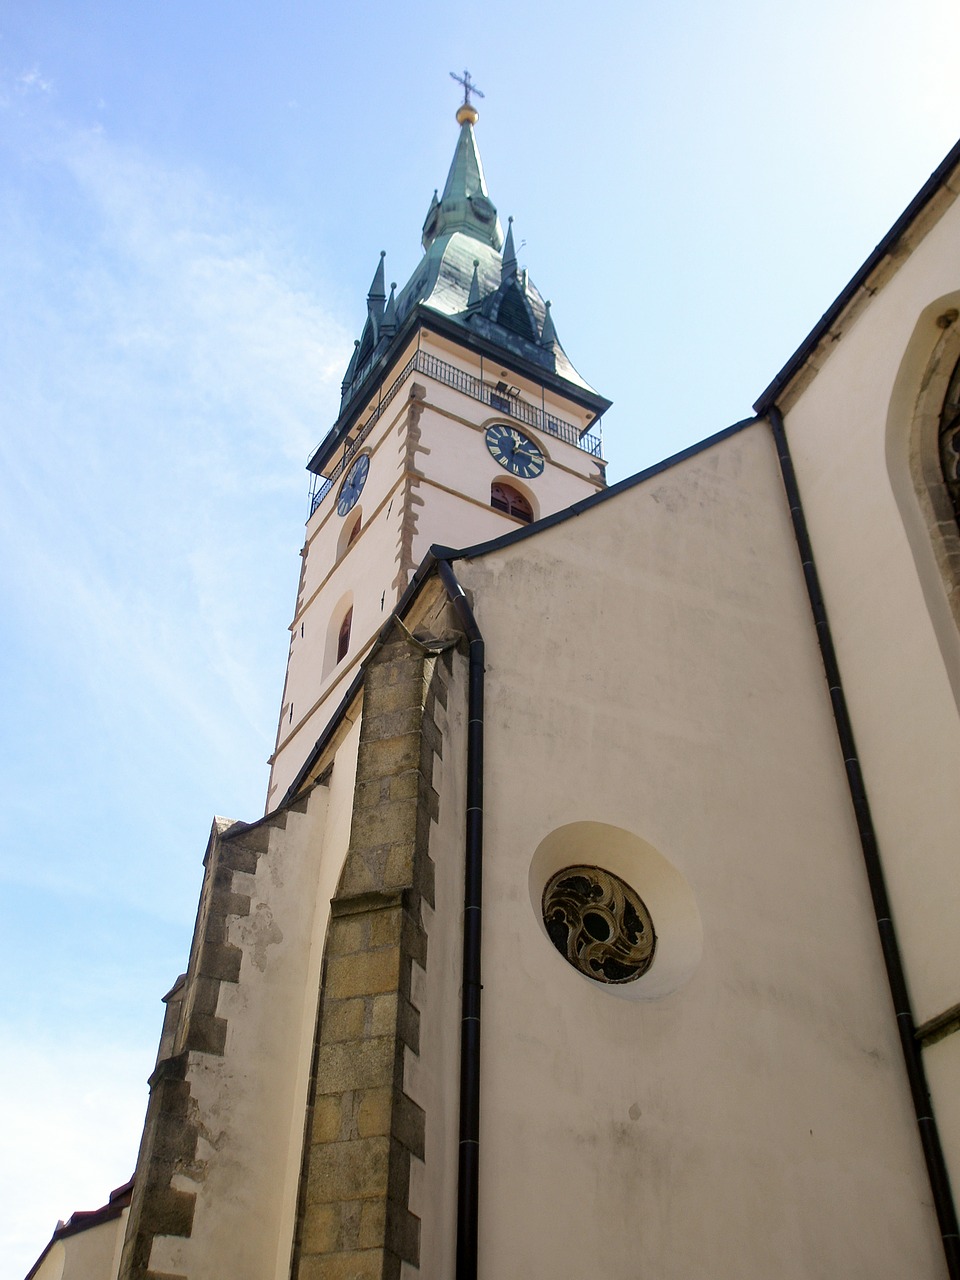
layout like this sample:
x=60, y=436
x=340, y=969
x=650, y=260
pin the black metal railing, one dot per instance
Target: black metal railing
x=498, y=397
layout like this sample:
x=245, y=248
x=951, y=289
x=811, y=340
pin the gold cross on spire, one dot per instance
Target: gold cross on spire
x=468, y=86
x=467, y=114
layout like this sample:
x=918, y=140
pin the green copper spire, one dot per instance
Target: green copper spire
x=465, y=204
x=462, y=276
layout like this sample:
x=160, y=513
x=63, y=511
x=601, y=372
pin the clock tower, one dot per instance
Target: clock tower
x=461, y=417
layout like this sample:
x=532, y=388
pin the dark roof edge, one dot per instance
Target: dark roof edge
x=919, y=202
x=427, y=318
x=353, y=688
x=85, y=1219
x=577, y=508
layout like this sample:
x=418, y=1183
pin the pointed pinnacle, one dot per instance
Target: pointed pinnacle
x=377, y=293
x=509, y=267
x=389, y=324
x=548, y=337
x=473, y=300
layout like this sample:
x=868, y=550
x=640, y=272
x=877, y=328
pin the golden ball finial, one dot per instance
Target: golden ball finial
x=467, y=114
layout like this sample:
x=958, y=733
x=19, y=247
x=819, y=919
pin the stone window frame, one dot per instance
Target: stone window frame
x=915, y=471
x=512, y=501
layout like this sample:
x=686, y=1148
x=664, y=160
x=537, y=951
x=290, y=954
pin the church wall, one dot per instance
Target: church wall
x=91, y=1254
x=662, y=678
x=246, y=1103
x=430, y=1077
x=851, y=433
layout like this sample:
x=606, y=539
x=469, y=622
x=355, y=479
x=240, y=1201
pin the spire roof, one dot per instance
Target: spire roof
x=465, y=204
x=464, y=277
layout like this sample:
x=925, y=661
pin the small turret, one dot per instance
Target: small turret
x=388, y=326
x=548, y=336
x=509, y=266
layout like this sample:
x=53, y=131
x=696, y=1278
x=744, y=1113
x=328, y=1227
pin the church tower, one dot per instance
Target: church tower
x=461, y=418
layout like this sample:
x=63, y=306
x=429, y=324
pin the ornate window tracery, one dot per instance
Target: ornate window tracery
x=504, y=497
x=949, y=440
x=599, y=924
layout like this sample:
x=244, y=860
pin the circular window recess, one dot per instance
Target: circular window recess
x=616, y=909
x=599, y=924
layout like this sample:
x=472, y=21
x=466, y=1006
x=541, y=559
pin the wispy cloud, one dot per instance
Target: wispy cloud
x=167, y=361
x=165, y=375
x=32, y=79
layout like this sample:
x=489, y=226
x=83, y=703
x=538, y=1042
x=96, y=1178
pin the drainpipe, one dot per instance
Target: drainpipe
x=912, y=1053
x=469, y=1155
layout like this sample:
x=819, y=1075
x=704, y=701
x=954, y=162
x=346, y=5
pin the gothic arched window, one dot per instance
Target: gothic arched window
x=949, y=440
x=504, y=497
x=343, y=637
x=348, y=535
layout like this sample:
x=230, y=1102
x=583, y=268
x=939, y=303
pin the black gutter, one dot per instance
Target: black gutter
x=912, y=1053
x=469, y=1152
x=768, y=398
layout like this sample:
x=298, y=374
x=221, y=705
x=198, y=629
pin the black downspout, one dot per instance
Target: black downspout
x=469, y=1158
x=912, y=1053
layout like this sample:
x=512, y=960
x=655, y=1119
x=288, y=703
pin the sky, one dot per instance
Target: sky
x=193, y=199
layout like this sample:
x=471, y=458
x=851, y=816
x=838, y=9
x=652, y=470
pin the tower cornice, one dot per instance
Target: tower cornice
x=425, y=318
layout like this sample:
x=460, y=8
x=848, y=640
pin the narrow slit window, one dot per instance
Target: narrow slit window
x=343, y=639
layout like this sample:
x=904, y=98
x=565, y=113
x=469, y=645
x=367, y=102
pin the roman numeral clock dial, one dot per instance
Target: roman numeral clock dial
x=514, y=451
x=353, y=484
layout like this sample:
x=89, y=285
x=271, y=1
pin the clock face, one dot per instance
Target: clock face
x=352, y=485
x=515, y=451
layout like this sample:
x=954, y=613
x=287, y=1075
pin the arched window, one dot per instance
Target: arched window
x=343, y=637
x=923, y=463
x=504, y=497
x=349, y=534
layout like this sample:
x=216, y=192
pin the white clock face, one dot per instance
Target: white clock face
x=353, y=484
x=514, y=451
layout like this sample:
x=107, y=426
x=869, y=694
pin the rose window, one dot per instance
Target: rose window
x=599, y=924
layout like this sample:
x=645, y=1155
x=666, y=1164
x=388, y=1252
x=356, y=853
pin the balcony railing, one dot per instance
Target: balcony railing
x=497, y=396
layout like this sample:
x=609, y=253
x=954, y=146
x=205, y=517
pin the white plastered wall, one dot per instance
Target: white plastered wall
x=93, y=1254
x=662, y=676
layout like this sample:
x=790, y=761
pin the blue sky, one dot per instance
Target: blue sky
x=192, y=203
